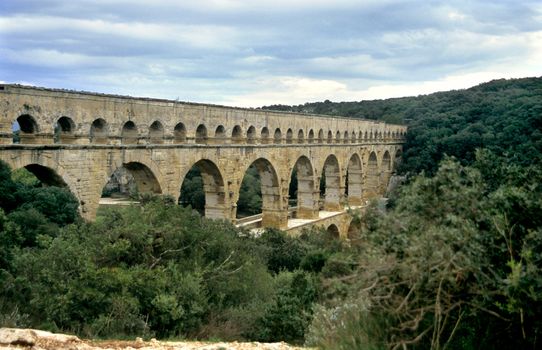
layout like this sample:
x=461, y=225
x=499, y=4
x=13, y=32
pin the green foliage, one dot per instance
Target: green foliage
x=503, y=116
x=250, y=195
x=454, y=264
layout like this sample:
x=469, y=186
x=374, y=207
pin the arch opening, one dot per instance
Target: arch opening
x=98, y=131
x=330, y=186
x=329, y=137
x=333, y=231
x=338, y=137
x=237, y=135
x=301, y=190
x=264, y=136
x=156, y=132
x=346, y=138
x=203, y=190
x=300, y=136
x=372, y=178
x=25, y=129
x=272, y=211
x=64, y=130
x=385, y=173
x=128, y=181
x=289, y=136
x=354, y=183
x=321, y=136
x=354, y=230
x=201, y=134
x=277, y=138
x=129, y=133
x=220, y=134
x=251, y=135
x=179, y=133
x=311, y=136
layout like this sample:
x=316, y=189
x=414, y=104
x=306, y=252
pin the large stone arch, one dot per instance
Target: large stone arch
x=49, y=172
x=355, y=180
x=213, y=185
x=307, y=194
x=385, y=171
x=397, y=158
x=333, y=189
x=372, y=177
x=333, y=231
x=273, y=212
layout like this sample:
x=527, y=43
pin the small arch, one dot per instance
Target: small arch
x=201, y=134
x=64, y=130
x=129, y=133
x=338, y=137
x=360, y=136
x=277, y=138
x=156, y=132
x=353, y=137
x=300, y=136
x=329, y=136
x=25, y=129
x=354, y=230
x=220, y=134
x=321, y=136
x=366, y=137
x=264, y=135
x=251, y=134
x=311, y=136
x=289, y=136
x=213, y=188
x=98, y=131
x=345, y=138
x=333, y=231
x=179, y=133
x=237, y=134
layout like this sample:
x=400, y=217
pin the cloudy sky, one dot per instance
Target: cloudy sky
x=261, y=52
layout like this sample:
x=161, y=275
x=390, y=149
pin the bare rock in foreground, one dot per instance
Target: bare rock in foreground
x=13, y=338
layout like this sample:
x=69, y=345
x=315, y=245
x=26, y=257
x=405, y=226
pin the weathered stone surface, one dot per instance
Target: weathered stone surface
x=158, y=141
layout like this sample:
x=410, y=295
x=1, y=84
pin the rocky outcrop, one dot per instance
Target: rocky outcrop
x=13, y=338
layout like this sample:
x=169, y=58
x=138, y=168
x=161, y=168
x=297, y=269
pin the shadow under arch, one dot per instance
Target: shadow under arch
x=303, y=189
x=25, y=129
x=213, y=187
x=372, y=177
x=273, y=214
x=48, y=177
x=355, y=180
x=64, y=130
x=98, y=131
x=131, y=178
x=331, y=190
x=385, y=171
x=333, y=231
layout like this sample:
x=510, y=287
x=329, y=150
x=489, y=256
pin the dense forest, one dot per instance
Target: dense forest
x=455, y=262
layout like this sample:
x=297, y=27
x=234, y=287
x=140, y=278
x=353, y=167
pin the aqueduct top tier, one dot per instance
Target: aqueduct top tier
x=47, y=116
x=79, y=139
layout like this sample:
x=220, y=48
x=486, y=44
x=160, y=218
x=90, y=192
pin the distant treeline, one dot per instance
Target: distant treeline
x=503, y=116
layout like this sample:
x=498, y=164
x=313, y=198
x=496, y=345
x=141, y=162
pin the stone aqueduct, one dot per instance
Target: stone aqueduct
x=78, y=139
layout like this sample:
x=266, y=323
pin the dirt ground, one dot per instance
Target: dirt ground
x=13, y=338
